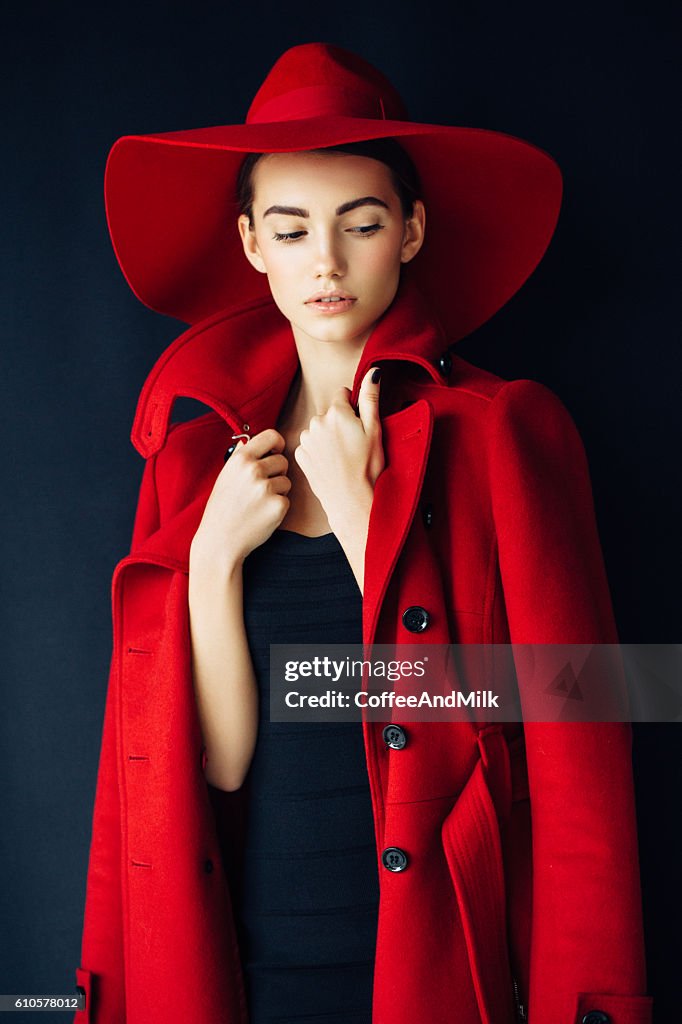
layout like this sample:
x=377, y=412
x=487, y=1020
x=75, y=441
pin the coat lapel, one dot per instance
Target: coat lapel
x=406, y=438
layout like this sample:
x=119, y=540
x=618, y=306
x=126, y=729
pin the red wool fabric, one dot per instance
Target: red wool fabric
x=521, y=840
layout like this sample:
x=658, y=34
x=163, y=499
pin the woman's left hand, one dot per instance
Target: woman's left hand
x=342, y=456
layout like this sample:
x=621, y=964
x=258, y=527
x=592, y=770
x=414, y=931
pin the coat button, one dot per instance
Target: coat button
x=394, y=736
x=208, y=866
x=445, y=363
x=427, y=515
x=415, y=618
x=394, y=858
x=596, y=1017
x=229, y=451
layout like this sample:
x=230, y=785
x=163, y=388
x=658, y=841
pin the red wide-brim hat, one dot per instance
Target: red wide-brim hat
x=492, y=200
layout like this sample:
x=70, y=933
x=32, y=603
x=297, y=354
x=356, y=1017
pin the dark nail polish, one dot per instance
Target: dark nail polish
x=376, y=375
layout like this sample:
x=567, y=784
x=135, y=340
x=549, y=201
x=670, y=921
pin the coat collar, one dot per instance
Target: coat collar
x=242, y=363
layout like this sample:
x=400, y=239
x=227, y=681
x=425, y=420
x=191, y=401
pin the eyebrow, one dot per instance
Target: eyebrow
x=297, y=211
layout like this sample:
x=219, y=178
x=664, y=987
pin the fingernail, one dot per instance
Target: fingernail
x=376, y=375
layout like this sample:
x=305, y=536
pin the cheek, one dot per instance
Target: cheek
x=281, y=266
x=382, y=262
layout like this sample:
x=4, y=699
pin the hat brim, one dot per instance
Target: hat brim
x=492, y=203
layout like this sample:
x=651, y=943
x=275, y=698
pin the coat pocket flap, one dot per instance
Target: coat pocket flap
x=84, y=981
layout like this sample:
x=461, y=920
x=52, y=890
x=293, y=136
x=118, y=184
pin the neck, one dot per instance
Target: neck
x=324, y=368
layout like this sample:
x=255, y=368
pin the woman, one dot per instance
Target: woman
x=311, y=947
x=439, y=505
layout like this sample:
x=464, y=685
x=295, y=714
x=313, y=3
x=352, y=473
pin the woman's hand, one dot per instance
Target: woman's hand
x=342, y=456
x=248, y=502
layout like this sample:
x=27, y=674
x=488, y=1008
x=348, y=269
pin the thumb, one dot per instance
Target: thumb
x=368, y=400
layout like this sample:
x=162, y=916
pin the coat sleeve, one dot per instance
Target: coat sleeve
x=587, y=945
x=101, y=972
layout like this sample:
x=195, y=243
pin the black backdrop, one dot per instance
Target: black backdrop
x=591, y=83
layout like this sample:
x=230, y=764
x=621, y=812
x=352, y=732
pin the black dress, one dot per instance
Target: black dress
x=307, y=909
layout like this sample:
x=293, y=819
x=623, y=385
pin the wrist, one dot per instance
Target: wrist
x=352, y=518
x=208, y=563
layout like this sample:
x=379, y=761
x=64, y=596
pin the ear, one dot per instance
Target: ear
x=415, y=227
x=250, y=244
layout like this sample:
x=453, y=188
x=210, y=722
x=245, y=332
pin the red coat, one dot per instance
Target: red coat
x=484, y=517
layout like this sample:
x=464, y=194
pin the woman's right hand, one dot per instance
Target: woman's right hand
x=248, y=501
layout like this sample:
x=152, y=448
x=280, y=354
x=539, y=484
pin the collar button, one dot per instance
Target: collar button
x=445, y=363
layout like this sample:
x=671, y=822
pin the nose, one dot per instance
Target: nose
x=328, y=259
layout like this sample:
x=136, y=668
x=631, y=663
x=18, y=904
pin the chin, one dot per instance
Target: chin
x=341, y=333
x=332, y=330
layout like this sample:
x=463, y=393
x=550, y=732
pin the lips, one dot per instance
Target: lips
x=330, y=304
x=324, y=297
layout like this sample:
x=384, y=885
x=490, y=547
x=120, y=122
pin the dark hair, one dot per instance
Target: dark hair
x=404, y=174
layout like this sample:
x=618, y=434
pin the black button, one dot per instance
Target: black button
x=427, y=515
x=208, y=866
x=596, y=1017
x=394, y=736
x=415, y=619
x=230, y=450
x=445, y=363
x=394, y=858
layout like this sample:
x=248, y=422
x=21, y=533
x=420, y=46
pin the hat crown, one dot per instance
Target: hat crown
x=320, y=80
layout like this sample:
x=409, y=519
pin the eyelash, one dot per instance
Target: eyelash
x=366, y=231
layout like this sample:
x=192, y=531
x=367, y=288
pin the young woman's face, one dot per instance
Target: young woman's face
x=329, y=223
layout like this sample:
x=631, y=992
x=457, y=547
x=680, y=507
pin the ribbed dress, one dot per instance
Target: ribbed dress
x=307, y=910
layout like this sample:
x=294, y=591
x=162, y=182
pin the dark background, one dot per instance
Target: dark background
x=593, y=84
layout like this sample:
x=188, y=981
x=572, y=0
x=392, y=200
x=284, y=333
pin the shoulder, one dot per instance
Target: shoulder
x=491, y=397
x=515, y=421
x=527, y=413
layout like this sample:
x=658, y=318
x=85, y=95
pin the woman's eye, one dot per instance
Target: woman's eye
x=368, y=229
x=290, y=237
